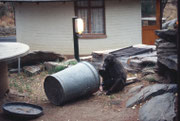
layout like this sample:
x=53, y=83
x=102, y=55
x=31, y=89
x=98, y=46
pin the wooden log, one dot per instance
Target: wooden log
x=3, y=79
x=37, y=57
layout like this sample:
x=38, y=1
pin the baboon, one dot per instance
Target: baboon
x=113, y=74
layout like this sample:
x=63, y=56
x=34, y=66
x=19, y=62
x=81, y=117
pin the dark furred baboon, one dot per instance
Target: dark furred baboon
x=113, y=74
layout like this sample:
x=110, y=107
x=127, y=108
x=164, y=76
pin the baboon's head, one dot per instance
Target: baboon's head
x=109, y=60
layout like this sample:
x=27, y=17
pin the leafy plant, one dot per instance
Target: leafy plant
x=63, y=65
x=60, y=68
x=57, y=69
x=72, y=62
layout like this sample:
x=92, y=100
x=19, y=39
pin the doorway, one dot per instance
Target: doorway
x=150, y=20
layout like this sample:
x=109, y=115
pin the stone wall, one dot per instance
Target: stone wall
x=7, y=31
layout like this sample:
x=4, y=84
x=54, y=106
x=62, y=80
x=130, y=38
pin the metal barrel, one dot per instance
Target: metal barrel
x=78, y=80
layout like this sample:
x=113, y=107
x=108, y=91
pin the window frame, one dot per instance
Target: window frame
x=89, y=7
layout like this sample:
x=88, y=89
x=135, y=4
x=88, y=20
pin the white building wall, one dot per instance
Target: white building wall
x=48, y=26
x=45, y=26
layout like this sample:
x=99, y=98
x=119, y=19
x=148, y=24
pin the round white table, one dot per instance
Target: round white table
x=9, y=51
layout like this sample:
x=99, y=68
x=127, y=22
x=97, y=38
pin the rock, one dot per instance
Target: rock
x=152, y=78
x=86, y=58
x=169, y=61
x=149, y=61
x=167, y=54
x=169, y=74
x=152, y=47
x=169, y=24
x=135, y=89
x=51, y=65
x=98, y=56
x=123, y=55
x=159, y=108
x=160, y=41
x=32, y=70
x=142, y=62
x=37, y=57
x=151, y=91
x=134, y=63
x=167, y=45
x=130, y=70
x=14, y=70
x=123, y=60
x=147, y=71
x=169, y=35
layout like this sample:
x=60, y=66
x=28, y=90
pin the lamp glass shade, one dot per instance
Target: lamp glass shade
x=79, y=25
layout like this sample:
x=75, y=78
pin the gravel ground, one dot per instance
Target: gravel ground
x=98, y=107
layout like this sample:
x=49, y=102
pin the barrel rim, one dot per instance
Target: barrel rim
x=61, y=90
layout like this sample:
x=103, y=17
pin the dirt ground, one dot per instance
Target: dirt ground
x=98, y=107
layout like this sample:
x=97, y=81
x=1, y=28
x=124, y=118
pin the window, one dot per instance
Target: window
x=93, y=14
x=148, y=12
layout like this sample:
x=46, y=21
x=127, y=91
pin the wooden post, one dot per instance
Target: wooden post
x=19, y=65
x=3, y=79
x=158, y=13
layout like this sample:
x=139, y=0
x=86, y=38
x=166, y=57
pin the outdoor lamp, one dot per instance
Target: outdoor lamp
x=79, y=25
x=78, y=28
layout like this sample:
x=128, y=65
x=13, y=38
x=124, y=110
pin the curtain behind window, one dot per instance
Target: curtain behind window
x=92, y=12
x=97, y=20
x=83, y=13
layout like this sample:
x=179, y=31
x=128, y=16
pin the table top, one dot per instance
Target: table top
x=12, y=50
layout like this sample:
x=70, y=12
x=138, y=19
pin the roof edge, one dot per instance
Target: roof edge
x=36, y=0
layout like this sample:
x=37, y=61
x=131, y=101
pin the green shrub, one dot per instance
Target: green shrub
x=72, y=62
x=63, y=65
x=60, y=68
x=57, y=69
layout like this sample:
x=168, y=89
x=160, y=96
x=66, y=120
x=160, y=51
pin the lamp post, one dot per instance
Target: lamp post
x=78, y=28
